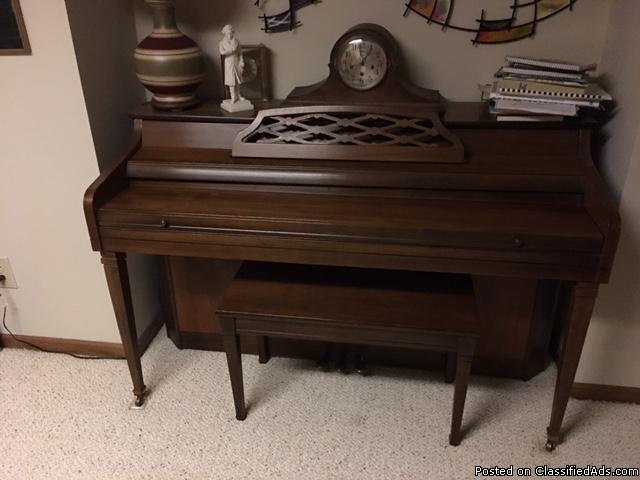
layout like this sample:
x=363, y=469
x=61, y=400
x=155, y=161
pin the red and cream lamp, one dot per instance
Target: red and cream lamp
x=168, y=63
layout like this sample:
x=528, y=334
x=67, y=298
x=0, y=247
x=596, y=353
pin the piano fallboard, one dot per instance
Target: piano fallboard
x=503, y=233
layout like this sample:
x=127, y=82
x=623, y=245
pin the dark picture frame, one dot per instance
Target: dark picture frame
x=13, y=32
x=257, y=73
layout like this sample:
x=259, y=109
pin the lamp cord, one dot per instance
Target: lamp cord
x=36, y=347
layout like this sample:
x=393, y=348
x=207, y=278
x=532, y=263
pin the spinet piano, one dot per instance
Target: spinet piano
x=522, y=201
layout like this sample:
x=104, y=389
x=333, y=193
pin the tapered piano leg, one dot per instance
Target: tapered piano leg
x=115, y=267
x=463, y=372
x=583, y=296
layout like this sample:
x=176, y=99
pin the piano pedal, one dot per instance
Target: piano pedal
x=345, y=358
x=360, y=363
x=330, y=360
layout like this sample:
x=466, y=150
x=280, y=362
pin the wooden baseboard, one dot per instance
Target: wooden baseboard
x=82, y=347
x=64, y=345
x=607, y=393
x=580, y=391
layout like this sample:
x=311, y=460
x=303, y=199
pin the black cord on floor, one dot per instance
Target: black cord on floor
x=36, y=347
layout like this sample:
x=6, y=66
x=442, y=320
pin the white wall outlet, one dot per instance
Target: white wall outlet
x=5, y=269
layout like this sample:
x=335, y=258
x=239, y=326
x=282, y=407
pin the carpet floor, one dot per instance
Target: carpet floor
x=64, y=418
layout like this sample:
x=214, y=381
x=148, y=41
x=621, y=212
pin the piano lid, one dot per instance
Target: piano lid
x=195, y=146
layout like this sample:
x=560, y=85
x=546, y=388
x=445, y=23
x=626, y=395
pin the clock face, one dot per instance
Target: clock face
x=362, y=63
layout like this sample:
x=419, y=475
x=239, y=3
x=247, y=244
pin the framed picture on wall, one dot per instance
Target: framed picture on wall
x=13, y=34
x=256, y=77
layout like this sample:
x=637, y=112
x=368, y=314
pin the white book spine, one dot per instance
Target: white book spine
x=546, y=93
x=581, y=103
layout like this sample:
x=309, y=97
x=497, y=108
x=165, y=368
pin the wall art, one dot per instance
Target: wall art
x=13, y=33
x=286, y=20
x=520, y=23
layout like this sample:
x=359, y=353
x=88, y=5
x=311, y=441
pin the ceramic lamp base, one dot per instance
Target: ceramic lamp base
x=174, y=102
x=168, y=63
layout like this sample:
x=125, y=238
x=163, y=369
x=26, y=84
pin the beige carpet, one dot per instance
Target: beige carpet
x=64, y=418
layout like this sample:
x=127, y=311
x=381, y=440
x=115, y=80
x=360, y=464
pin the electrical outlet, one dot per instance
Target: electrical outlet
x=5, y=270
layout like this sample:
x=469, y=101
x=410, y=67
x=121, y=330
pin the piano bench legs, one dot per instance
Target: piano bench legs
x=460, y=359
x=264, y=355
x=234, y=362
x=463, y=372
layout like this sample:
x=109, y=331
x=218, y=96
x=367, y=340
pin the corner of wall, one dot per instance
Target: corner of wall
x=104, y=36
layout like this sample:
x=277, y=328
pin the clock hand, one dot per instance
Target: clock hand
x=364, y=60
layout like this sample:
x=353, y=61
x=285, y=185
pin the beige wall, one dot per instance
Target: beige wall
x=620, y=72
x=435, y=59
x=611, y=350
x=47, y=159
x=103, y=37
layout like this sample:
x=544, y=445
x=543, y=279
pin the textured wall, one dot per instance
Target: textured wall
x=103, y=34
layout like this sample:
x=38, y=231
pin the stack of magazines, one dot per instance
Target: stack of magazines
x=528, y=89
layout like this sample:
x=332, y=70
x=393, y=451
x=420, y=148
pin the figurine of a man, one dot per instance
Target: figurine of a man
x=233, y=69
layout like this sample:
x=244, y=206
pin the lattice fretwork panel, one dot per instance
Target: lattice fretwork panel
x=328, y=134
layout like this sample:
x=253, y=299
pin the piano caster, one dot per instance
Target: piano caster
x=138, y=402
x=552, y=441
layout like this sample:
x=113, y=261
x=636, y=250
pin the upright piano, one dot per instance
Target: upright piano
x=366, y=185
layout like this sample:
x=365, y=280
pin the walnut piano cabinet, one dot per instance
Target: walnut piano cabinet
x=525, y=207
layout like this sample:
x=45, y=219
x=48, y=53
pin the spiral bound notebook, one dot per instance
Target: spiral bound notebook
x=538, y=100
x=550, y=64
x=536, y=73
x=591, y=92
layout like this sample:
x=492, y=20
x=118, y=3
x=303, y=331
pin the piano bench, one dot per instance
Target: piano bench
x=356, y=306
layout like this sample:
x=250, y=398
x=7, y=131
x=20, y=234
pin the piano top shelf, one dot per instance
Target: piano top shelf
x=457, y=114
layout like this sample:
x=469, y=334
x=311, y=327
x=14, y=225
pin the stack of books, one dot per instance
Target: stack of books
x=528, y=89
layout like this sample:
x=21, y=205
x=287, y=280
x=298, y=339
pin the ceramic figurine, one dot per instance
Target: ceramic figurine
x=231, y=50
